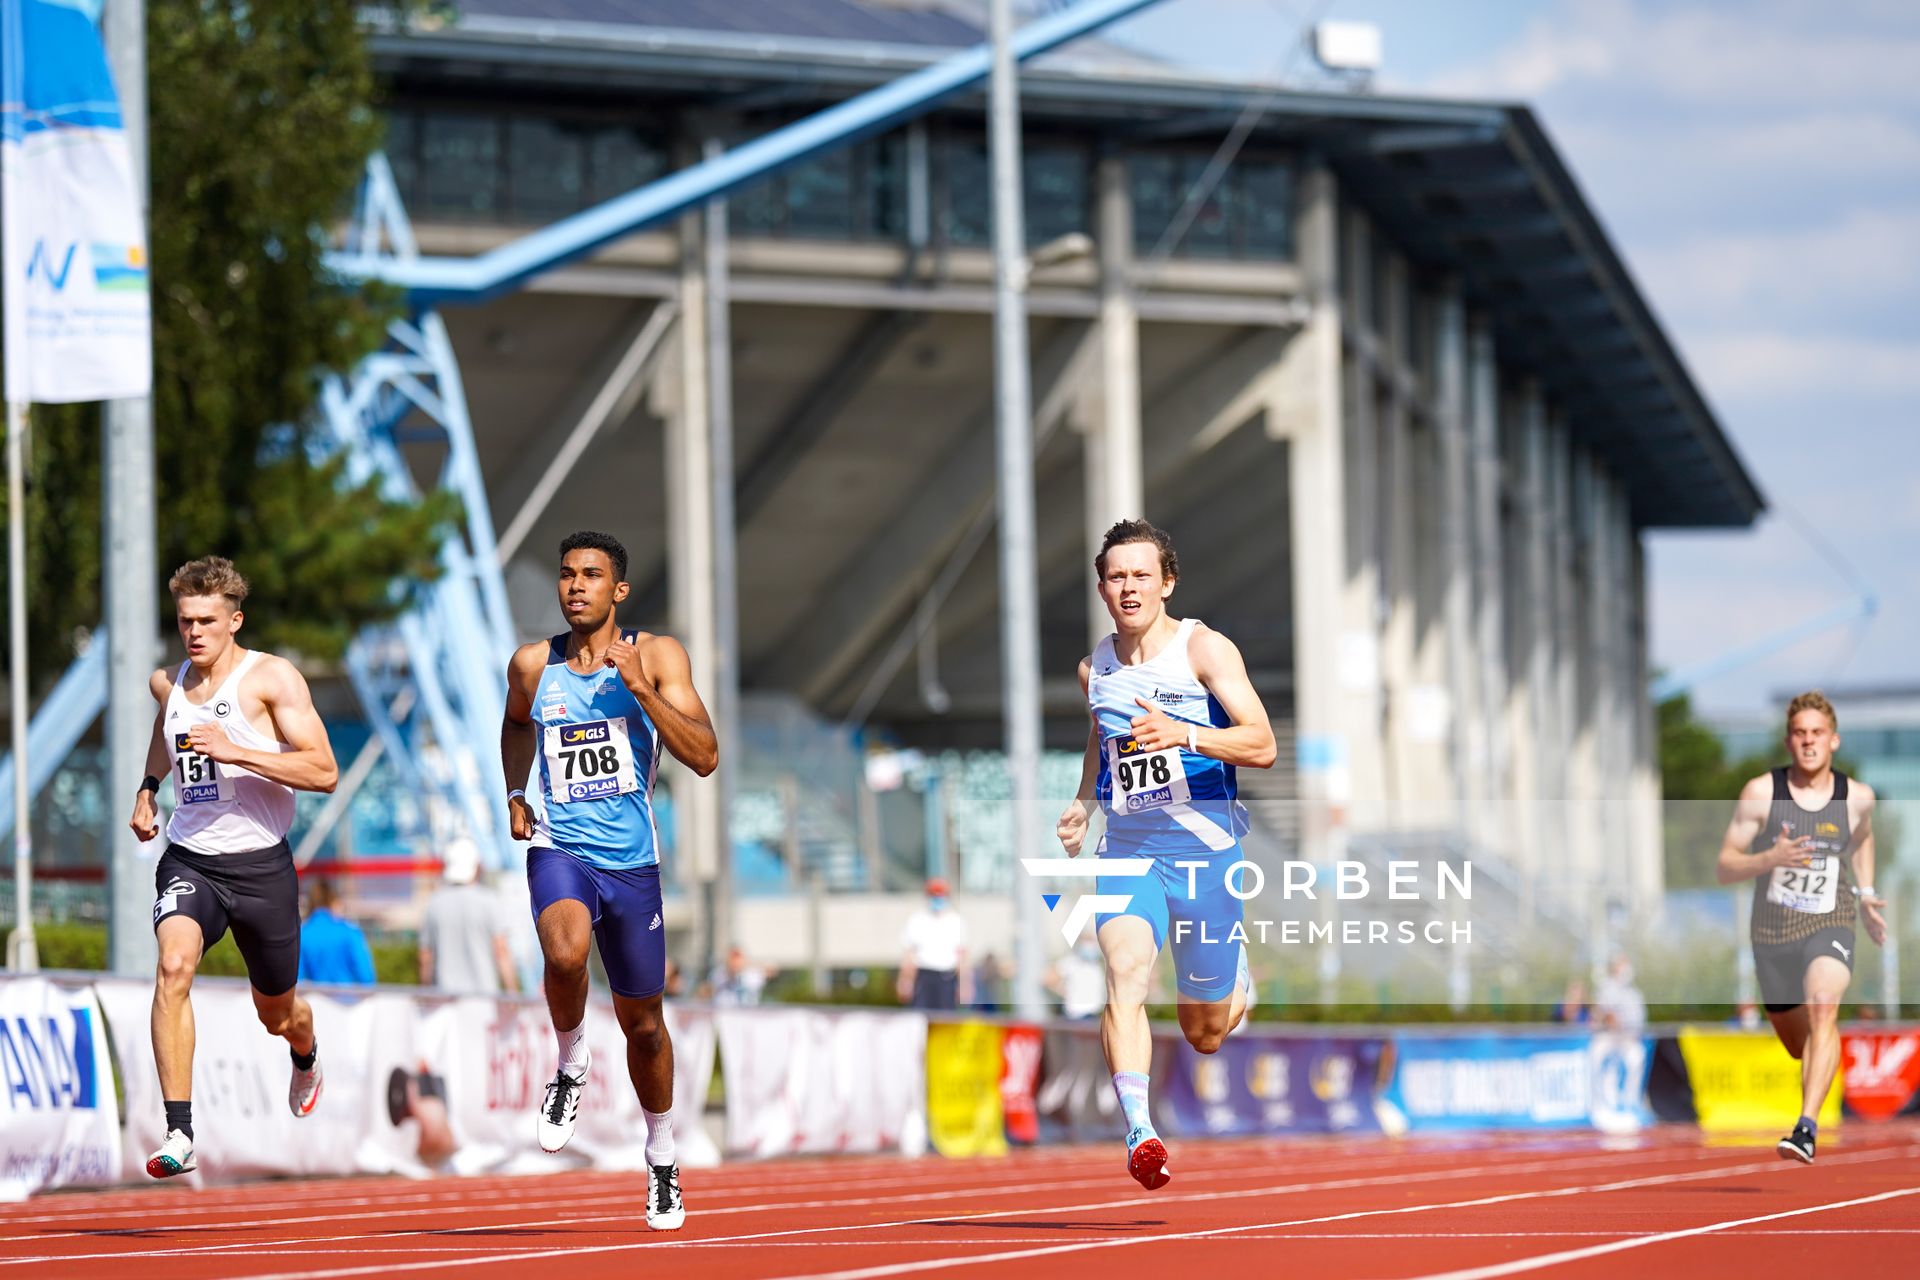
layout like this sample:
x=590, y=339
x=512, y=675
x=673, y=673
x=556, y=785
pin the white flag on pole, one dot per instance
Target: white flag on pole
x=78, y=325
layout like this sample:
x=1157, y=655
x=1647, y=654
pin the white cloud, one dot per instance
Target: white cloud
x=1718, y=57
x=1753, y=366
x=1859, y=259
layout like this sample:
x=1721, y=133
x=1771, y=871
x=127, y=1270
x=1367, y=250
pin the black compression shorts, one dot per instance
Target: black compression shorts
x=257, y=895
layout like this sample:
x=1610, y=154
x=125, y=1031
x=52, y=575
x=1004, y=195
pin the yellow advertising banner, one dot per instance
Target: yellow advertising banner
x=1745, y=1081
x=965, y=1116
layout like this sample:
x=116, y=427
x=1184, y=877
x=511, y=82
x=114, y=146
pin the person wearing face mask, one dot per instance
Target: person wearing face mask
x=1618, y=1005
x=933, y=966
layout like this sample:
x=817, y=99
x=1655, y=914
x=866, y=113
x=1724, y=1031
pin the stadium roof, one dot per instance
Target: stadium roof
x=1471, y=190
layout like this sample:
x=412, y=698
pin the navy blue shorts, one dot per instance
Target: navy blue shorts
x=625, y=906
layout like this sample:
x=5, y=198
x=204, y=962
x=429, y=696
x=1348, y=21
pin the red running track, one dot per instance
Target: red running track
x=1664, y=1204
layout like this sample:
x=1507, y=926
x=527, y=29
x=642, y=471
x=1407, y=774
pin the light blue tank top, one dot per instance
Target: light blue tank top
x=599, y=756
x=1175, y=801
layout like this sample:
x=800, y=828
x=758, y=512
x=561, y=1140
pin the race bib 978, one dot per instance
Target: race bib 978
x=1142, y=779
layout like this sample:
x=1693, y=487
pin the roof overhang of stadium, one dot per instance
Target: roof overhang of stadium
x=1471, y=191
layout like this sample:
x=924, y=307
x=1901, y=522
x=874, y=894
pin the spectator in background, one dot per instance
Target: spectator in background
x=1619, y=1006
x=737, y=982
x=933, y=970
x=1079, y=978
x=676, y=980
x=331, y=949
x=463, y=936
x=992, y=984
x=1572, y=1008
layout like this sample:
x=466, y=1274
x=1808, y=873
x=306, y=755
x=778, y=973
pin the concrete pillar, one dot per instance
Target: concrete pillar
x=1646, y=805
x=1588, y=831
x=682, y=402
x=1116, y=489
x=1399, y=560
x=1363, y=609
x=1307, y=411
x=724, y=693
x=1570, y=836
x=1541, y=689
x=1467, y=727
x=1486, y=474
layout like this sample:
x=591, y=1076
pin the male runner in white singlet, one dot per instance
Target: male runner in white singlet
x=238, y=732
x=1174, y=715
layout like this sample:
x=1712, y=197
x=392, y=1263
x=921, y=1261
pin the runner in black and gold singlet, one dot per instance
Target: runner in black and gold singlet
x=1805, y=832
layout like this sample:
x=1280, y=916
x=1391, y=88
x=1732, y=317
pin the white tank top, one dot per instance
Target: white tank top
x=222, y=808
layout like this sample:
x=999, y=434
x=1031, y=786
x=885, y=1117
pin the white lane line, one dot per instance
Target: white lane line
x=1518, y=1265
x=1567, y=1165
x=949, y=1176
x=940, y=1264
x=939, y=1192
x=577, y=1251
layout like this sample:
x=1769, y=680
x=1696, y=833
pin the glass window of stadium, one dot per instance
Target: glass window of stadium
x=854, y=193
x=1248, y=213
x=496, y=167
x=1057, y=182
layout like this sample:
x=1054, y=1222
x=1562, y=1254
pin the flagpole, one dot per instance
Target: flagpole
x=23, y=952
x=129, y=589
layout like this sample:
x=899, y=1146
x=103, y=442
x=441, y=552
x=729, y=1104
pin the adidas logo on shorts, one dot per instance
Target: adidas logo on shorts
x=655, y=924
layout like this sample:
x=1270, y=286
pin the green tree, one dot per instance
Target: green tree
x=261, y=119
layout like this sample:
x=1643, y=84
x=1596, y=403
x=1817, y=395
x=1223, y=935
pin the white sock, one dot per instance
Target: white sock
x=659, y=1137
x=574, y=1056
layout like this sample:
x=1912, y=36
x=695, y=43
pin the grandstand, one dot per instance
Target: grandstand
x=1395, y=395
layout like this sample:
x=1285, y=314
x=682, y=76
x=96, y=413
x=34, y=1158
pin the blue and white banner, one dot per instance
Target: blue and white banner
x=1271, y=1084
x=78, y=325
x=1517, y=1082
x=59, y=1124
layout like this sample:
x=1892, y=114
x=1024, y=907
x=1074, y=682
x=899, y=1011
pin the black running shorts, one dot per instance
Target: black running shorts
x=257, y=895
x=1782, y=966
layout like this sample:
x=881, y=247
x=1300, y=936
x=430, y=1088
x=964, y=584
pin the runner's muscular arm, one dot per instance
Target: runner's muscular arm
x=1860, y=800
x=146, y=805
x=1749, y=815
x=1072, y=826
x=283, y=691
x=1248, y=742
x=518, y=744
x=660, y=676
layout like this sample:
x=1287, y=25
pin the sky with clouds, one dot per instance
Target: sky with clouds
x=1758, y=164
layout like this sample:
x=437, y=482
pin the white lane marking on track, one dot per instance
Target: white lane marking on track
x=463, y=1198
x=938, y=1264
x=940, y=1192
x=581, y=1251
x=1620, y=1246
x=1567, y=1165
x=200, y=1221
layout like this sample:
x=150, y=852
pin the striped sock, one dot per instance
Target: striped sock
x=1131, y=1088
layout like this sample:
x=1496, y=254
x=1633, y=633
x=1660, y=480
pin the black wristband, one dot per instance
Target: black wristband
x=149, y=783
